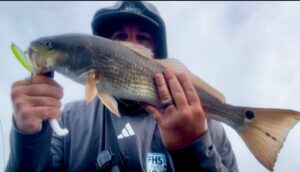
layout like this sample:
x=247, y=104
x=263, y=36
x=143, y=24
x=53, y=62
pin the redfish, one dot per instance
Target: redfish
x=112, y=69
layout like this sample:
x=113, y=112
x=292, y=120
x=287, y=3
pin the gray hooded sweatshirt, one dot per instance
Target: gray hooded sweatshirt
x=137, y=136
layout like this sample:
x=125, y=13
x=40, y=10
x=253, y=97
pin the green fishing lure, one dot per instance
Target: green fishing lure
x=22, y=57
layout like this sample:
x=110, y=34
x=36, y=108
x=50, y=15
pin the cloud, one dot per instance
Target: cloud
x=247, y=50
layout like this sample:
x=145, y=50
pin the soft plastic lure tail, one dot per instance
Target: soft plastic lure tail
x=22, y=58
x=25, y=61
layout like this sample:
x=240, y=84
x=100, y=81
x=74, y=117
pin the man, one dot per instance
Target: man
x=177, y=137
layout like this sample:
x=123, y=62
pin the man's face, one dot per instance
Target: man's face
x=134, y=33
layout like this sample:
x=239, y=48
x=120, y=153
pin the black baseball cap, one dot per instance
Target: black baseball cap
x=132, y=11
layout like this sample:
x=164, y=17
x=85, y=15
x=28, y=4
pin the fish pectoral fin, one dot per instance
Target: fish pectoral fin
x=266, y=132
x=109, y=102
x=140, y=49
x=178, y=67
x=90, y=87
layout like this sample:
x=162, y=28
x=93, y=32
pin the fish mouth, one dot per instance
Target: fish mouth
x=38, y=63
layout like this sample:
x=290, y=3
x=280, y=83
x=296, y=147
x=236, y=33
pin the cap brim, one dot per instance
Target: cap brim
x=103, y=21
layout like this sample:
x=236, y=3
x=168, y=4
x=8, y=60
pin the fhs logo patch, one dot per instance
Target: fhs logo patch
x=156, y=162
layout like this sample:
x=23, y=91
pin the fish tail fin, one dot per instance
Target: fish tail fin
x=266, y=132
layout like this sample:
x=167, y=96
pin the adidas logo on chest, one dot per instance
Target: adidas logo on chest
x=127, y=131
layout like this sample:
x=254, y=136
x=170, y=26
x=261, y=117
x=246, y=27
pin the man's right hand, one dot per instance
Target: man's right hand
x=35, y=99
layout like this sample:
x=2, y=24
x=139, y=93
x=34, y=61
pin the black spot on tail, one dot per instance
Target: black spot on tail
x=249, y=114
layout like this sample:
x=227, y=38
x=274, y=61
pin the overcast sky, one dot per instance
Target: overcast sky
x=249, y=51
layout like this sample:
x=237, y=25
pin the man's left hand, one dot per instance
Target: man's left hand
x=184, y=121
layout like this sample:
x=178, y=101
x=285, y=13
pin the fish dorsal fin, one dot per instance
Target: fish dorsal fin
x=109, y=102
x=90, y=87
x=140, y=49
x=178, y=67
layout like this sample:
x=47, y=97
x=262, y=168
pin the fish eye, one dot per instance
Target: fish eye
x=48, y=45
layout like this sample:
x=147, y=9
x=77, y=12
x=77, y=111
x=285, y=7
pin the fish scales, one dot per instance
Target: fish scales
x=224, y=112
x=130, y=78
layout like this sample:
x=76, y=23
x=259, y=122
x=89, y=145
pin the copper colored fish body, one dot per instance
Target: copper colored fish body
x=113, y=70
